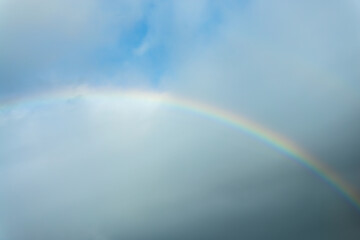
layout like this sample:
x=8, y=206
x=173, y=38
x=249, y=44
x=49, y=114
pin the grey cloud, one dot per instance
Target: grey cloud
x=262, y=64
x=129, y=170
x=106, y=170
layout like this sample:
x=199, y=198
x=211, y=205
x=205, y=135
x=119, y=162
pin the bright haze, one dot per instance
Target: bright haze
x=79, y=163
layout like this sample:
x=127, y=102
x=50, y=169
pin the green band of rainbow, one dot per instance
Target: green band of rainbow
x=246, y=126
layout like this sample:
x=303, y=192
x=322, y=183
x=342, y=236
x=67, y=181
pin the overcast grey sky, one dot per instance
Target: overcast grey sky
x=89, y=168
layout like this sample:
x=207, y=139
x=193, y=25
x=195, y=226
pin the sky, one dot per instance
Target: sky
x=82, y=158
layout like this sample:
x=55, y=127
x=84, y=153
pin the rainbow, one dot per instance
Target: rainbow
x=249, y=127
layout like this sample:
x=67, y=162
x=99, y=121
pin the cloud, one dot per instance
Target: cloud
x=105, y=168
x=47, y=44
x=265, y=67
x=50, y=44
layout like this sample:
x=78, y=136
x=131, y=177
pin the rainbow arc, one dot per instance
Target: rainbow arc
x=244, y=125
